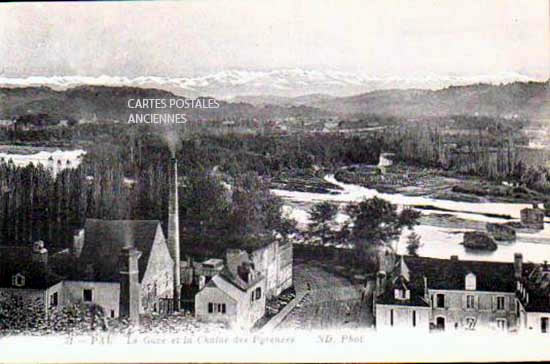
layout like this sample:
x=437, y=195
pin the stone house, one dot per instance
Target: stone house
x=274, y=261
x=534, y=299
x=430, y=294
x=124, y=267
x=236, y=296
x=403, y=303
x=116, y=264
x=99, y=277
x=532, y=218
x=26, y=274
x=385, y=161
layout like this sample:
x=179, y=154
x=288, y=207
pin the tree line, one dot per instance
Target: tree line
x=494, y=151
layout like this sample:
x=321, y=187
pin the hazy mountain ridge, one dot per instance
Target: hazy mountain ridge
x=282, y=82
x=526, y=99
x=531, y=99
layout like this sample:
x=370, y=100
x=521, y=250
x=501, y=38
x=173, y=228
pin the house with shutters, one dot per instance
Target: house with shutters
x=101, y=259
x=430, y=294
x=235, y=295
x=117, y=265
x=122, y=268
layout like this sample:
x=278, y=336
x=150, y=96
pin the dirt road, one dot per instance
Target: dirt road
x=331, y=301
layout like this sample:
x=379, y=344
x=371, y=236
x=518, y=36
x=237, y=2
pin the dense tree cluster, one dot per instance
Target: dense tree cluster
x=489, y=148
x=373, y=224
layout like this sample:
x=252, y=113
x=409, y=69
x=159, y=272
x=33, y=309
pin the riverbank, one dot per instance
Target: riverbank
x=436, y=183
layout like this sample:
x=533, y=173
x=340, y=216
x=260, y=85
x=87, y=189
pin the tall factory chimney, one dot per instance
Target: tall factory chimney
x=174, y=231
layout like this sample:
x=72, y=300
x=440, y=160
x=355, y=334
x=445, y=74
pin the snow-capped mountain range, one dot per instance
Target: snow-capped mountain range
x=285, y=82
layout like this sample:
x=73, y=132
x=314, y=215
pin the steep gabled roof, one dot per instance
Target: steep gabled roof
x=238, y=281
x=230, y=289
x=104, y=239
x=233, y=286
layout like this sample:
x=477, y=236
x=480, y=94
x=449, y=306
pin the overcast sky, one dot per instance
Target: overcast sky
x=190, y=38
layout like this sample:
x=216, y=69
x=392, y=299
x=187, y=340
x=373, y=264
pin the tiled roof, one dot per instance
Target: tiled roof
x=416, y=299
x=18, y=259
x=415, y=285
x=444, y=274
x=448, y=274
x=238, y=282
x=103, y=241
x=230, y=289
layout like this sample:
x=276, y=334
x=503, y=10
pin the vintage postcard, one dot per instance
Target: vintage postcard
x=275, y=181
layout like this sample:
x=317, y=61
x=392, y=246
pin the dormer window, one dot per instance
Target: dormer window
x=470, y=282
x=18, y=280
x=401, y=291
x=402, y=294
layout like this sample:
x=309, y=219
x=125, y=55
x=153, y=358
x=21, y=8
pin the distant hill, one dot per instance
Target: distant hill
x=260, y=100
x=525, y=99
x=111, y=103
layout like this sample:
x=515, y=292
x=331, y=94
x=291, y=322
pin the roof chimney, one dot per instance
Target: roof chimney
x=174, y=231
x=39, y=253
x=245, y=272
x=518, y=265
x=234, y=259
x=129, y=303
x=454, y=258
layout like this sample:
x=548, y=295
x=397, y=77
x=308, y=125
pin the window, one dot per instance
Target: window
x=544, y=325
x=440, y=300
x=112, y=313
x=258, y=293
x=87, y=295
x=414, y=318
x=517, y=309
x=53, y=299
x=501, y=324
x=470, y=301
x=216, y=308
x=18, y=280
x=391, y=317
x=470, y=323
x=401, y=294
x=252, y=297
x=500, y=303
x=470, y=282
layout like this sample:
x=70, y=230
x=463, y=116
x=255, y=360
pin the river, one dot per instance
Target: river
x=55, y=160
x=437, y=242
